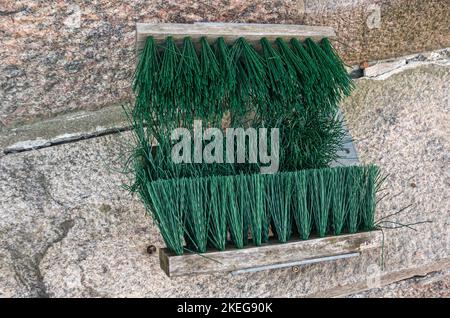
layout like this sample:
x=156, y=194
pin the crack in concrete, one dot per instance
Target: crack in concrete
x=27, y=268
x=39, y=144
x=35, y=190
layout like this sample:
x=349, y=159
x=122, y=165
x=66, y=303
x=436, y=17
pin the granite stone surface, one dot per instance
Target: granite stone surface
x=434, y=285
x=68, y=228
x=61, y=56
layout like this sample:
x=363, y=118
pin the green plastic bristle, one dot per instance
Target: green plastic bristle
x=256, y=213
x=279, y=189
x=308, y=75
x=217, y=215
x=367, y=209
x=265, y=214
x=311, y=144
x=297, y=70
x=320, y=191
x=341, y=76
x=250, y=76
x=310, y=69
x=302, y=214
x=243, y=205
x=333, y=200
x=353, y=182
x=254, y=66
x=339, y=204
x=197, y=216
x=145, y=77
x=212, y=79
x=189, y=73
x=281, y=84
x=167, y=213
x=226, y=66
x=326, y=83
x=235, y=219
x=168, y=83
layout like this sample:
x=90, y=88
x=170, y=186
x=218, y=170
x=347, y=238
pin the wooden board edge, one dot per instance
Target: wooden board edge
x=230, y=31
x=370, y=240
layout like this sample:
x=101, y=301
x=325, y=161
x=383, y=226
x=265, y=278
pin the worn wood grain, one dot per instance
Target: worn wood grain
x=385, y=278
x=253, y=32
x=272, y=253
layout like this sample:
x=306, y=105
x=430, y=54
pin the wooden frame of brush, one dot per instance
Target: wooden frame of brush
x=269, y=255
x=252, y=32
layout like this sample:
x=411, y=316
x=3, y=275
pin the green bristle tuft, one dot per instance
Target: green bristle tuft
x=310, y=67
x=339, y=205
x=256, y=212
x=235, y=219
x=145, y=77
x=279, y=189
x=243, y=205
x=251, y=88
x=282, y=85
x=167, y=212
x=298, y=72
x=327, y=199
x=217, y=215
x=326, y=88
x=302, y=214
x=212, y=79
x=265, y=213
x=189, y=74
x=264, y=91
x=227, y=69
x=353, y=182
x=168, y=85
x=371, y=177
x=337, y=67
x=320, y=195
x=197, y=216
x=308, y=75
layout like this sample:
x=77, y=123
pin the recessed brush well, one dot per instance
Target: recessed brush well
x=287, y=78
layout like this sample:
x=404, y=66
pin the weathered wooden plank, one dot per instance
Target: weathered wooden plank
x=383, y=68
x=295, y=263
x=253, y=32
x=272, y=253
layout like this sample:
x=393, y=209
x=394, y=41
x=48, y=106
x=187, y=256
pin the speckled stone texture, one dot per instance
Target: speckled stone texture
x=67, y=228
x=70, y=55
